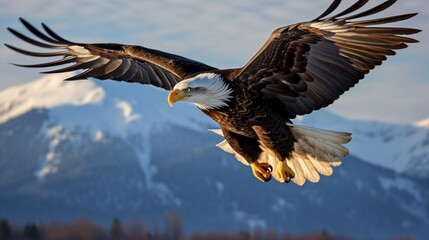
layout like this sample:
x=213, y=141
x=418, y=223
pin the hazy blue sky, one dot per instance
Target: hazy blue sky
x=226, y=34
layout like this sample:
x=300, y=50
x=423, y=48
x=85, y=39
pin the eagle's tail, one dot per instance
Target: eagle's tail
x=315, y=151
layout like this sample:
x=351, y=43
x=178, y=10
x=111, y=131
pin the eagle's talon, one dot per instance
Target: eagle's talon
x=284, y=172
x=261, y=171
x=269, y=168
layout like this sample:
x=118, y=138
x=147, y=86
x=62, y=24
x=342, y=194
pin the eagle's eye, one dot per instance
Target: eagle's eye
x=188, y=90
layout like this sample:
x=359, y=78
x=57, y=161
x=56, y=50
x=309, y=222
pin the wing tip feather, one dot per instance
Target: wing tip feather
x=334, y=5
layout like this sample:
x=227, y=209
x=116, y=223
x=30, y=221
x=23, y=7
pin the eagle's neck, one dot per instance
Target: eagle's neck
x=218, y=93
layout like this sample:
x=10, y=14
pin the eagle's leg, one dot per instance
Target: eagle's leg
x=280, y=142
x=284, y=172
x=249, y=149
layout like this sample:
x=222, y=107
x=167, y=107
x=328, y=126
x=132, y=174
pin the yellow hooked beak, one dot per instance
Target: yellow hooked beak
x=176, y=95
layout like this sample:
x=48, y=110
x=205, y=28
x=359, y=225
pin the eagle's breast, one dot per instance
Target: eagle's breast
x=245, y=109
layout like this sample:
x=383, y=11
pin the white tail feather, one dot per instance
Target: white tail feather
x=315, y=151
x=322, y=167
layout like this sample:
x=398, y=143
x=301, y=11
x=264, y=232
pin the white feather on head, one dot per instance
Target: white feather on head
x=211, y=91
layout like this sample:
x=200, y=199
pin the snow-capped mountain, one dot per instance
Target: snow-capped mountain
x=111, y=109
x=105, y=149
x=121, y=104
x=126, y=109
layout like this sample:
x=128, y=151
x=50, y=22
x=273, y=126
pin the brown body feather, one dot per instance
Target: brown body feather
x=249, y=120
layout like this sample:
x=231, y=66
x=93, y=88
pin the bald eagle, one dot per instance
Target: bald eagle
x=301, y=68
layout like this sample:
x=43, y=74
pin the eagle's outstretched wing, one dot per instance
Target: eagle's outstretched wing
x=307, y=66
x=109, y=60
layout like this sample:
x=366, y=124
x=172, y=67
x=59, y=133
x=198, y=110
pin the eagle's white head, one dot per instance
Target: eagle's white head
x=206, y=90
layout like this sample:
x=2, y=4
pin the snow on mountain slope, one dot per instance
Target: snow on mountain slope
x=99, y=109
x=47, y=92
x=96, y=104
x=403, y=148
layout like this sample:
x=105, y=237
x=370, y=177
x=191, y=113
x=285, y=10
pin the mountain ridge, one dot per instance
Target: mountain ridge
x=104, y=179
x=120, y=154
x=401, y=147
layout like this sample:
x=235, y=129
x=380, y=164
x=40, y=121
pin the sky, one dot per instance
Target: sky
x=225, y=34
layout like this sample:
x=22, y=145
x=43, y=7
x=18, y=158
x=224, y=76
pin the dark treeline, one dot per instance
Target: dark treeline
x=84, y=229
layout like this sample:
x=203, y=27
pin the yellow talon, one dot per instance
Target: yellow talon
x=261, y=171
x=284, y=172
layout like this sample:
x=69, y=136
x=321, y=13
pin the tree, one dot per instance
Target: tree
x=31, y=232
x=325, y=235
x=173, y=226
x=87, y=230
x=117, y=230
x=139, y=231
x=5, y=230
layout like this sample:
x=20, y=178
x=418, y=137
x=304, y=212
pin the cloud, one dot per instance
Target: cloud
x=221, y=33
